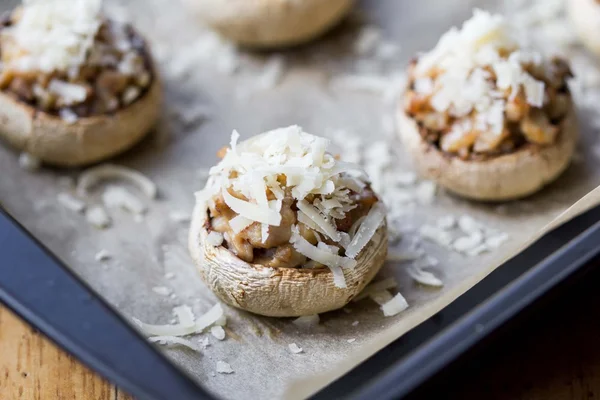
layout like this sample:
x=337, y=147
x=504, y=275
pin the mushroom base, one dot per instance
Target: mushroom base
x=282, y=292
x=271, y=23
x=88, y=139
x=504, y=177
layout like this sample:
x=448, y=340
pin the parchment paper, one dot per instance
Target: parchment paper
x=203, y=106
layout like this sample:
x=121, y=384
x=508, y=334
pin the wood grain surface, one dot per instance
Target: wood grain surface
x=554, y=355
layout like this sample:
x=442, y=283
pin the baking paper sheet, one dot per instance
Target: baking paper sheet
x=203, y=105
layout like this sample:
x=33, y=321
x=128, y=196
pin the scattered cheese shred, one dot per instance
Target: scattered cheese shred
x=102, y=255
x=388, y=283
x=214, y=316
x=119, y=197
x=424, y=277
x=295, y=349
x=71, y=202
x=395, y=306
x=218, y=332
x=326, y=227
x=252, y=211
x=52, y=35
x=321, y=255
x=98, y=217
x=367, y=229
x=174, y=340
x=307, y=321
x=108, y=172
x=239, y=223
x=224, y=368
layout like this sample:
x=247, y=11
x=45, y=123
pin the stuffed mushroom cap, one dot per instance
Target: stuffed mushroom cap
x=75, y=86
x=284, y=229
x=270, y=23
x=485, y=117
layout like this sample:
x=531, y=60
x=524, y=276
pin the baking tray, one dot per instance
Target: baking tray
x=402, y=369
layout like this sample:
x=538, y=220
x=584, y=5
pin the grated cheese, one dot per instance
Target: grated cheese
x=102, y=255
x=119, y=197
x=224, y=368
x=107, y=172
x=395, y=306
x=385, y=284
x=466, y=243
x=214, y=316
x=184, y=315
x=214, y=238
x=322, y=255
x=289, y=156
x=51, y=35
x=462, y=83
x=71, y=202
x=218, y=332
x=424, y=277
x=161, y=290
x=174, y=340
x=367, y=229
x=295, y=349
x=98, y=217
x=307, y=321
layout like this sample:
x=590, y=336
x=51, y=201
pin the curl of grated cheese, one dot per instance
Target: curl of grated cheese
x=293, y=161
x=461, y=60
x=51, y=35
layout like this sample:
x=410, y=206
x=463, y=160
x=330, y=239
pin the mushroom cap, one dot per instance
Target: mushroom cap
x=279, y=292
x=504, y=177
x=585, y=17
x=270, y=23
x=87, y=140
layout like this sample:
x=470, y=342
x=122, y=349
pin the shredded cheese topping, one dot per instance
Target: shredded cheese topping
x=457, y=76
x=51, y=35
x=257, y=175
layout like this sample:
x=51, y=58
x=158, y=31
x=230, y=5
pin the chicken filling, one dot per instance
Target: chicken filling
x=521, y=123
x=116, y=72
x=276, y=251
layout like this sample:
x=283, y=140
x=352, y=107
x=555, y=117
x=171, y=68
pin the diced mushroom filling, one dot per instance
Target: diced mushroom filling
x=115, y=73
x=480, y=92
x=521, y=123
x=276, y=251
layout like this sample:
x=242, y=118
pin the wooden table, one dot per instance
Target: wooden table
x=556, y=355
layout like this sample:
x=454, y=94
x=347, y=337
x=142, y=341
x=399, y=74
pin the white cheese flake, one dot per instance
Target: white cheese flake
x=161, y=290
x=224, y=368
x=109, y=172
x=295, y=349
x=71, y=202
x=307, y=321
x=217, y=332
x=119, y=197
x=174, y=340
x=376, y=287
x=424, y=277
x=103, y=255
x=395, y=306
x=98, y=217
